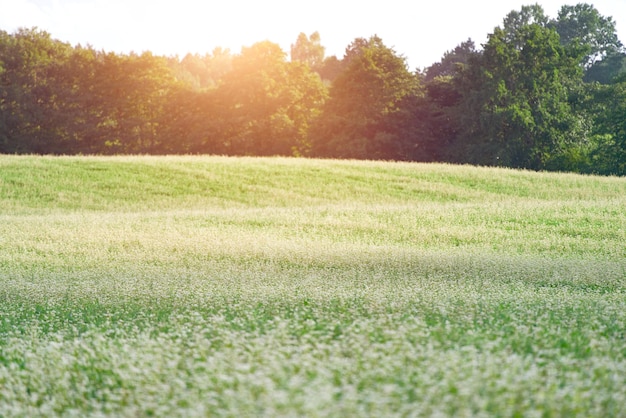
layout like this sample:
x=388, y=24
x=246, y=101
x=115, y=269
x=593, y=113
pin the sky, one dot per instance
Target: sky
x=420, y=31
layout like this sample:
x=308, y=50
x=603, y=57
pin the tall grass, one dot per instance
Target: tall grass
x=204, y=286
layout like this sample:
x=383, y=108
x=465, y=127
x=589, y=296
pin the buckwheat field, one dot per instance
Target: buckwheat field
x=236, y=287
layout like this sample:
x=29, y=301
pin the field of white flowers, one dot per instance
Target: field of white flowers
x=205, y=286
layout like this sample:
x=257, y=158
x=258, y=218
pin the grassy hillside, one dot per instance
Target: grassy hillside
x=279, y=287
x=168, y=183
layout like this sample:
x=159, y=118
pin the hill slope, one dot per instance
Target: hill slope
x=128, y=183
x=208, y=286
x=378, y=203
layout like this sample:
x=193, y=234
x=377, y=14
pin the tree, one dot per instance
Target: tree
x=515, y=21
x=360, y=119
x=202, y=72
x=607, y=69
x=192, y=122
x=583, y=23
x=443, y=95
x=268, y=102
x=129, y=94
x=452, y=61
x=609, y=155
x=56, y=99
x=330, y=69
x=37, y=93
x=308, y=50
x=516, y=96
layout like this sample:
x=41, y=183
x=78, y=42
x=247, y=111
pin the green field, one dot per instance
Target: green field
x=208, y=286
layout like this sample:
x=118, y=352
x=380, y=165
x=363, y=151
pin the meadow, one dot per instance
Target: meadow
x=236, y=287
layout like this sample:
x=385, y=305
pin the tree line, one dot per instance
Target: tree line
x=542, y=93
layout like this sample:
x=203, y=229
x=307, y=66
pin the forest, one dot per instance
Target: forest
x=541, y=93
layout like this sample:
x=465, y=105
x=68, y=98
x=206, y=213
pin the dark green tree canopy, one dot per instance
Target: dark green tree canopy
x=609, y=156
x=607, y=69
x=516, y=104
x=372, y=86
x=452, y=61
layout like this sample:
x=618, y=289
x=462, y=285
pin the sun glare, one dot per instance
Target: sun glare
x=168, y=27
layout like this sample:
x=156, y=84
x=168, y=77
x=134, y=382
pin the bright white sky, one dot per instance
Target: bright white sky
x=421, y=31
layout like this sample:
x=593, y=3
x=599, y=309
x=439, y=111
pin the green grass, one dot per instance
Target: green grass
x=206, y=286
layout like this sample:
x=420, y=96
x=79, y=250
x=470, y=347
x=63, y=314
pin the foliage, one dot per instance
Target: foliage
x=202, y=72
x=361, y=118
x=606, y=70
x=268, y=102
x=452, y=61
x=541, y=94
x=517, y=97
x=308, y=50
x=583, y=23
x=32, y=89
x=330, y=69
x=443, y=90
x=609, y=157
x=58, y=99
